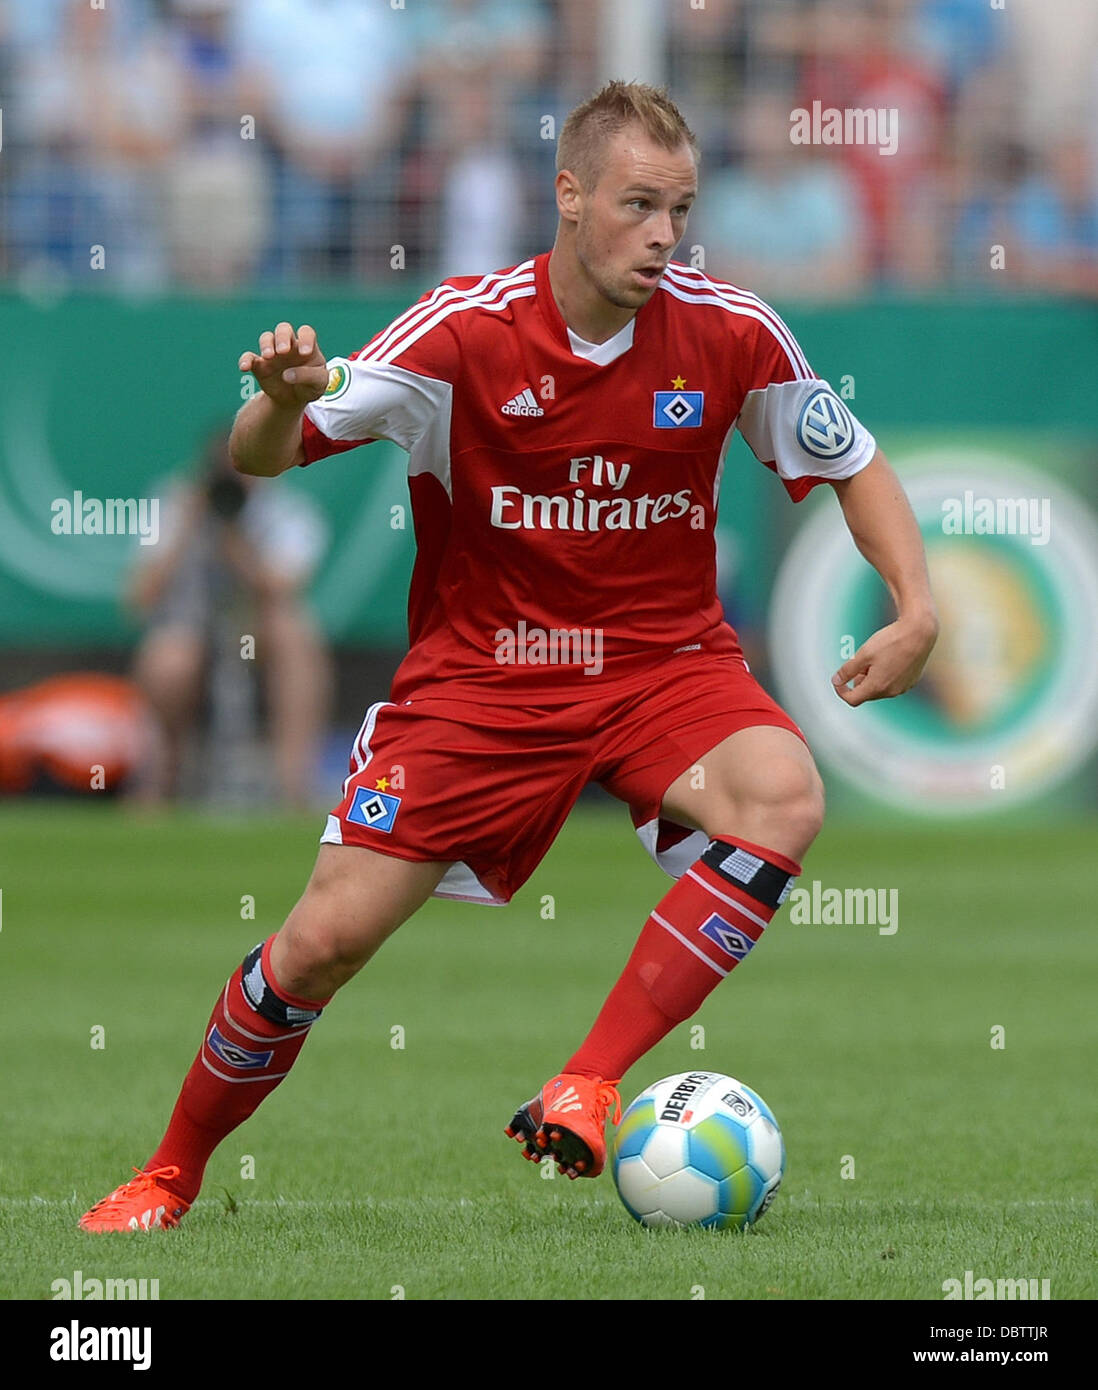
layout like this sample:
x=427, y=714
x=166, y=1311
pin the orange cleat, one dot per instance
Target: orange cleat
x=566, y=1121
x=142, y=1204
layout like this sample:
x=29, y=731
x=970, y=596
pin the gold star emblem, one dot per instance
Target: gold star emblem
x=678, y=382
x=381, y=784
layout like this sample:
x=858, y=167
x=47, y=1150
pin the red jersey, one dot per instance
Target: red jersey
x=564, y=494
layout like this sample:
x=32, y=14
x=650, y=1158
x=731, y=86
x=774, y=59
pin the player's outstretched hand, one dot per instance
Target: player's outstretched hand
x=289, y=366
x=888, y=663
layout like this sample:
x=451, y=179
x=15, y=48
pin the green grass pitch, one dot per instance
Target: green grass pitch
x=383, y=1170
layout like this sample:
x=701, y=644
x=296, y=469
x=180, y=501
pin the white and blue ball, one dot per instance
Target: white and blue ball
x=698, y=1149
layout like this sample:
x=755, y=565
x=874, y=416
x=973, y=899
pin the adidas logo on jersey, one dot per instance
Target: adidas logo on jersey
x=522, y=404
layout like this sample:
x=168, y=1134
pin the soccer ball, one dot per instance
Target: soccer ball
x=698, y=1149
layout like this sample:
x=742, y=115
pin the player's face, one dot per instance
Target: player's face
x=633, y=219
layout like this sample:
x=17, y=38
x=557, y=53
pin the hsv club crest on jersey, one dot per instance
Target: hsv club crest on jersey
x=573, y=486
x=677, y=410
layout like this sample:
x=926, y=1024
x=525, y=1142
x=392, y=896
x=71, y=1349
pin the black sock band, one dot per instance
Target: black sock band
x=765, y=882
x=266, y=1000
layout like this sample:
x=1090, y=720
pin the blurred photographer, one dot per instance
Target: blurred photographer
x=234, y=559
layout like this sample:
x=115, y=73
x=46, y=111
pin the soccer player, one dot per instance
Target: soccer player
x=566, y=422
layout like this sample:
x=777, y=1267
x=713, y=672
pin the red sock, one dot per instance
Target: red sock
x=697, y=933
x=243, y=1057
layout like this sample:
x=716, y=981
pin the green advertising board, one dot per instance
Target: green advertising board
x=990, y=401
x=123, y=392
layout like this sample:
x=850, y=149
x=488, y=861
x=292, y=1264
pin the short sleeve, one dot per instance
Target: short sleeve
x=392, y=389
x=793, y=421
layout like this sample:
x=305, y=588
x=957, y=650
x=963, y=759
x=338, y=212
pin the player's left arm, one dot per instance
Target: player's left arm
x=884, y=529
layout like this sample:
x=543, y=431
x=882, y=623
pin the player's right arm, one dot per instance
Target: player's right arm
x=291, y=371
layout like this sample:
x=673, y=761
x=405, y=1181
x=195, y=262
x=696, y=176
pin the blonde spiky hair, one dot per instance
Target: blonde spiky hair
x=583, y=139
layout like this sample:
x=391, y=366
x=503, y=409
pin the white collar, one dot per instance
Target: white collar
x=601, y=354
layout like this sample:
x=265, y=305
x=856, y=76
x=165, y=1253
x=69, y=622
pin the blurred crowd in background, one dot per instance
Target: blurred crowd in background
x=220, y=144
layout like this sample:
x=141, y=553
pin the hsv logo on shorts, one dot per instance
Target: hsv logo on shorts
x=378, y=810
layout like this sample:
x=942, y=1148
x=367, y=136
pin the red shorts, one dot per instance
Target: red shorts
x=486, y=786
